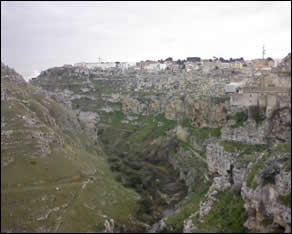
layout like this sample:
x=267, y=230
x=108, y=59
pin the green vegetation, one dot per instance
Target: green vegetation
x=285, y=199
x=232, y=146
x=227, y=216
x=184, y=145
x=192, y=206
x=59, y=183
x=287, y=73
x=218, y=100
x=287, y=165
x=240, y=118
x=118, y=116
x=153, y=127
x=102, y=87
x=138, y=157
x=256, y=167
x=257, y=113
x=267, y=220
x=283, y=147
x=141, y=93
x=201, y=134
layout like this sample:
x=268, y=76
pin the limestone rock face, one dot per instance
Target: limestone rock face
x=220, y=183
x=279, y=130
x=90, y=120
x=261, y=202
x=109, y=226
x=10, y=74
x=264, y=199
x=219, y=160
x=285, y=64
x=250, y=133
x=265, y=203
x=181, y=133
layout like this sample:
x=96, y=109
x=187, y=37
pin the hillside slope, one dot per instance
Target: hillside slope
x=54, y=177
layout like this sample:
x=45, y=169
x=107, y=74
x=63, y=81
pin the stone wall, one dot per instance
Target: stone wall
x=250, y=133
x=244, y=99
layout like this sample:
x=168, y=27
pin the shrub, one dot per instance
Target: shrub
x=267, y=220
x=116, y=166
x=240, y=118
x=255, y=168
x=271, y=169
x=283, y=148
x=285, y=199
x=119, y=178
x=146, y=205
x=257, y=113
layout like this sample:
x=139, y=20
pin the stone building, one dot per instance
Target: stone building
x=263, y=64
x=273, y=93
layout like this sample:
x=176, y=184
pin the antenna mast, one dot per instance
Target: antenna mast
x=264, y=51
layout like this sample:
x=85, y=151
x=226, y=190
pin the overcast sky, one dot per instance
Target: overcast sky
x=39, y=35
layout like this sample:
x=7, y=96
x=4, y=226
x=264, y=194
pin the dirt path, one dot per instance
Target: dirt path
x=44, y=186
x=198, y=155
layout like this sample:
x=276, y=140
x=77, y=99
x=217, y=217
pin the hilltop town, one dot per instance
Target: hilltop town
x=247, y=83
x=186, y=65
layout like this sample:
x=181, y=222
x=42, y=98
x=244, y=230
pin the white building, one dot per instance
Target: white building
x=101, y=65
x=233, y=87
x=162, y=66
x=225, y=65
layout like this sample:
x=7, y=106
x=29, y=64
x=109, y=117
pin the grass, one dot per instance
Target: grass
x=267, y=221
x=64, y=165
x=184, y=145
x=253, y=171
x=201, y=133
x=227, y=216
x=285, y=199
x=232, y=146
x=150, y=128
x=28, y=184
x=192, y=206
x=283, y=147
x=104, y=88
x=141, y=93
x=287, y=165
